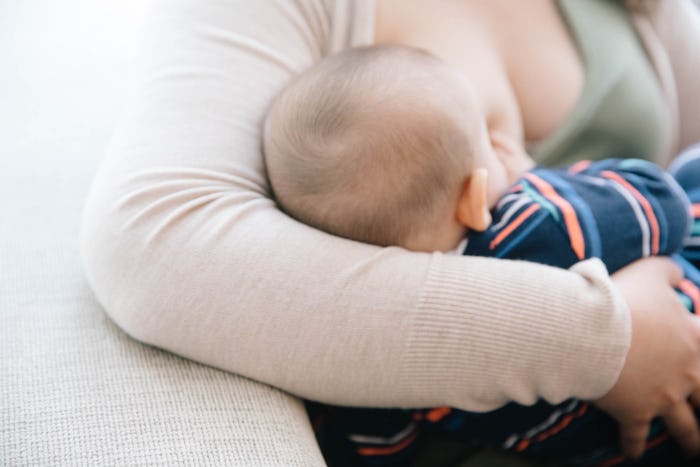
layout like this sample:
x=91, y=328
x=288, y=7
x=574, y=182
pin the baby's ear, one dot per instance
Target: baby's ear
x=472, y=206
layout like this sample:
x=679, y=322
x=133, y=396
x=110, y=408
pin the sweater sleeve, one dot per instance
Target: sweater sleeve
x=186, y=251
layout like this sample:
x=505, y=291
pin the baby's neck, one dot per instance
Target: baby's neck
x=445, y=239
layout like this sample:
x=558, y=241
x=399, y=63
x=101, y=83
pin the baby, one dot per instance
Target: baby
x=402, y=161
x=388, y=145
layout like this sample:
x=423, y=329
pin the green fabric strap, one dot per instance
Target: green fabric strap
x=621, y=108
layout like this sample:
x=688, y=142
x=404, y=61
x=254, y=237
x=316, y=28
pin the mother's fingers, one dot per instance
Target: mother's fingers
x=683, y=426
x=633, y=437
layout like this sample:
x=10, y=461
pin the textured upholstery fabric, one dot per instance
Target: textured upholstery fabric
x=75, y=390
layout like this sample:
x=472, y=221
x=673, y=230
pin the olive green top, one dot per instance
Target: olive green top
x=621, y=108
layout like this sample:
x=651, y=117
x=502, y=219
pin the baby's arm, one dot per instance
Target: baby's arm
x=616, y=210
x=639, y=209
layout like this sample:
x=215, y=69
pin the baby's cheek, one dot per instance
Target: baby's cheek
x=498, y=185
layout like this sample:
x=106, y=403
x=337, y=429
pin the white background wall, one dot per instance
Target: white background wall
x=64, y=68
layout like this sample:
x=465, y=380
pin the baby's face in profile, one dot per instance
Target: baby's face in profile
x=510, y=159
x=502, y=155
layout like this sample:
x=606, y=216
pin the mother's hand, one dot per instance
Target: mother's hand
x=661, y=376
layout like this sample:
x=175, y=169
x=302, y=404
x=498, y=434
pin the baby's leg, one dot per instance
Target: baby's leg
x=356, y=437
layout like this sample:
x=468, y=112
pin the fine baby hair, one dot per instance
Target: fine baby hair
x=370, y=144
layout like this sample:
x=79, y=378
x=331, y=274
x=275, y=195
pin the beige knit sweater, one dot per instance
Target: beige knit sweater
x=186, y=251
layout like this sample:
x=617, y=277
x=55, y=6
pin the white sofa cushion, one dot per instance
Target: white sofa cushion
x=74, y=389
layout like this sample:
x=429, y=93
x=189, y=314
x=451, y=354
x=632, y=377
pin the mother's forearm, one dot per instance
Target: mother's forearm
x=183, y=260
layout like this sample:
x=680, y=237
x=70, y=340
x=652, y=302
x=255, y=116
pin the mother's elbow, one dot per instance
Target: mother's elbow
x=108, y=245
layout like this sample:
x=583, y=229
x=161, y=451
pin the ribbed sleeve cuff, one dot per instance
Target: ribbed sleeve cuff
x=491, y=331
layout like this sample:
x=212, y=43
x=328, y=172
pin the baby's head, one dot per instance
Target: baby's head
x=385, y=145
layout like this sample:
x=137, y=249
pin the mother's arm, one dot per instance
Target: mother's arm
x=679, y=30
x=671, y=32
x=663, y=331
x=186, y=252
x=671, y=29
